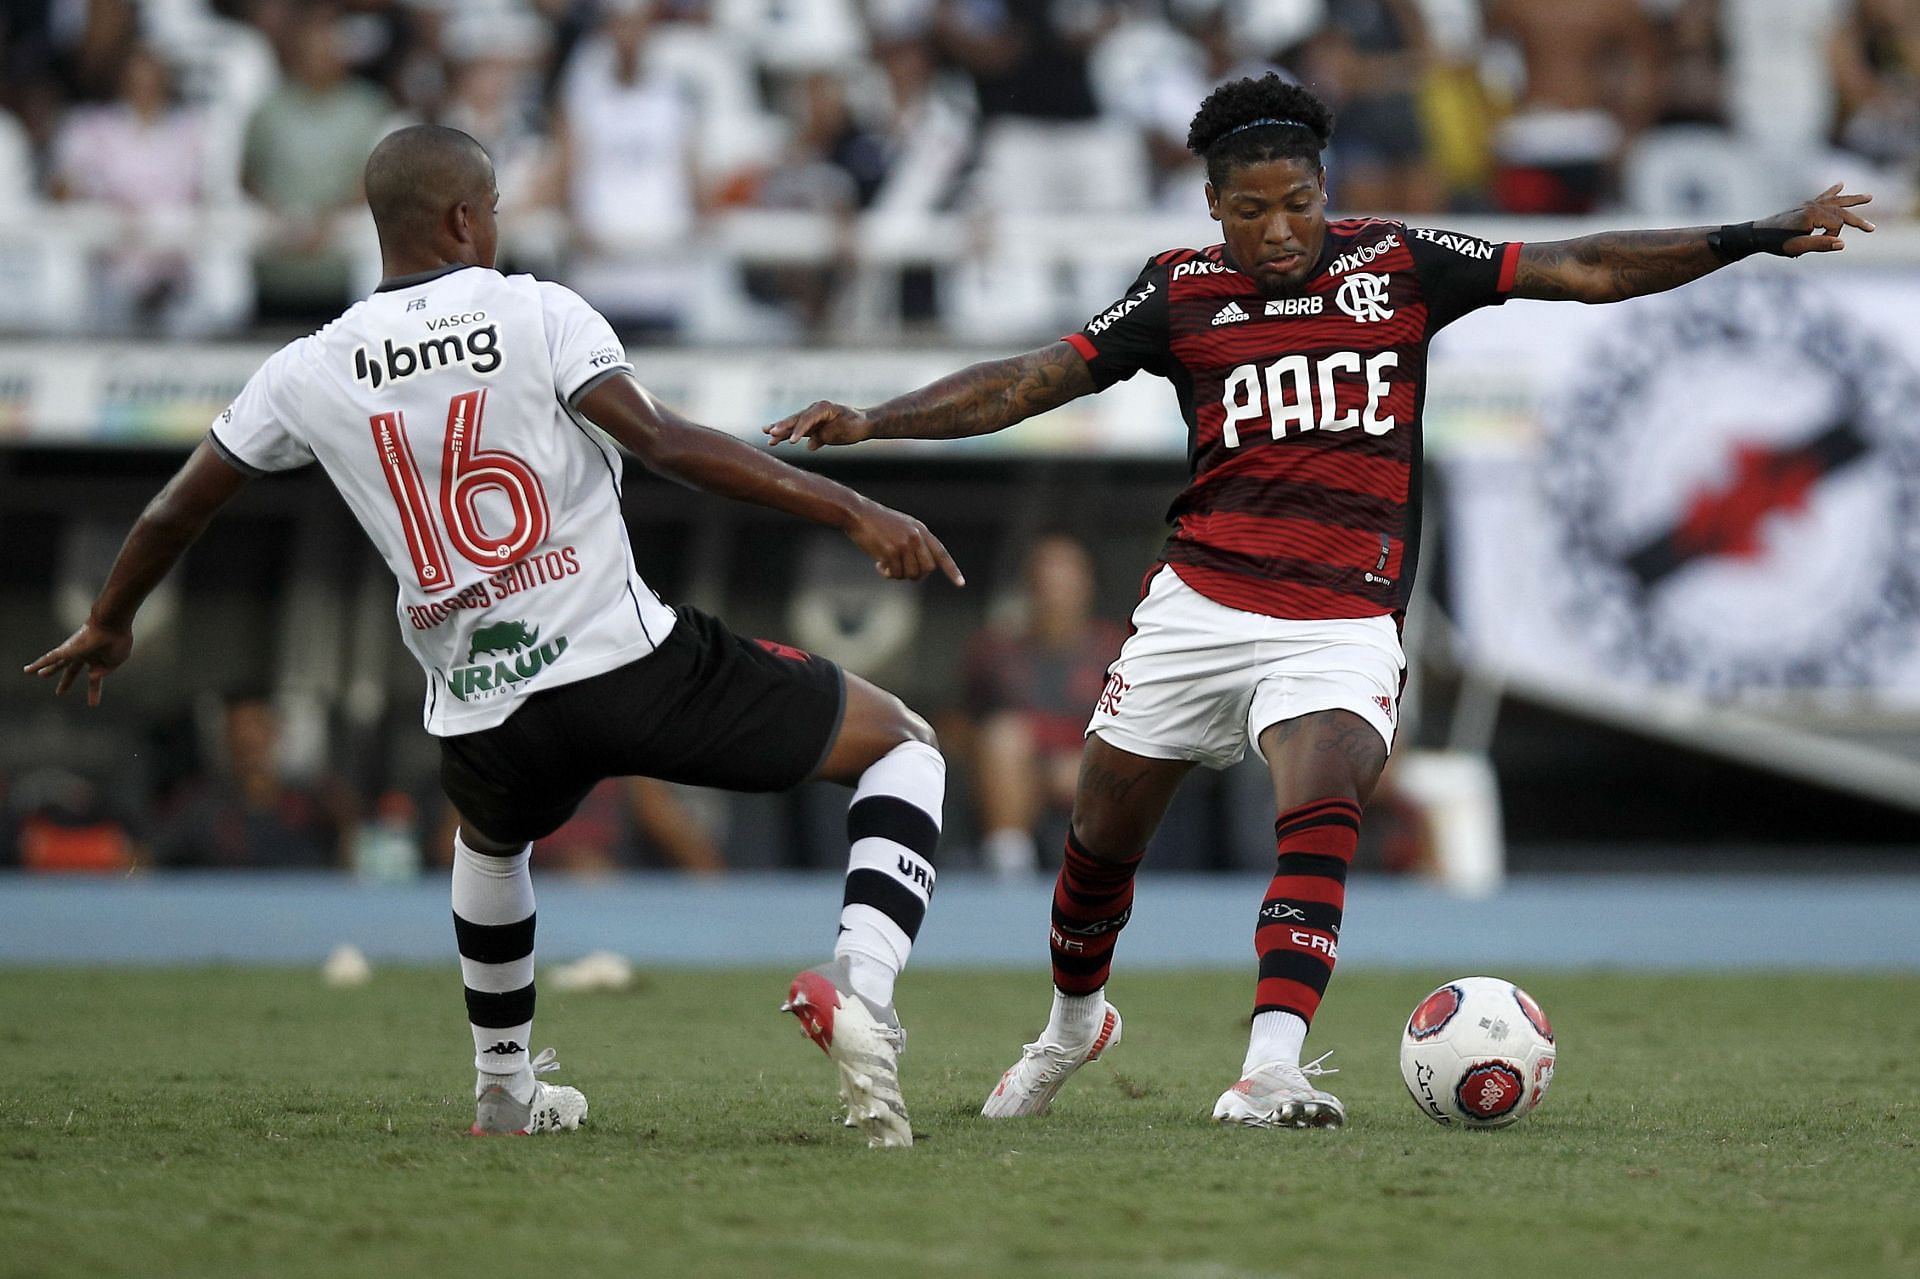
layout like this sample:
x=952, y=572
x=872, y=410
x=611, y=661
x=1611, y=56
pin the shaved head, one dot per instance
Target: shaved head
x=419, y=175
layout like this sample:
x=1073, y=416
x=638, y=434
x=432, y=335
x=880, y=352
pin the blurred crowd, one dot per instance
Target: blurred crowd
x=620, y=128
x=245, y=783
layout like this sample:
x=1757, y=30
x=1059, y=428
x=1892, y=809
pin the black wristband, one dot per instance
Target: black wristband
x=1743, y=239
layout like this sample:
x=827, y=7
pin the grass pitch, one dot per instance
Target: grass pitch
x=251, y=1122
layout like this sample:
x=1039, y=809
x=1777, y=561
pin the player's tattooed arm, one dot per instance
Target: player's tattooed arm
x=1628, y=264
x=979, y=399
x=172, y=522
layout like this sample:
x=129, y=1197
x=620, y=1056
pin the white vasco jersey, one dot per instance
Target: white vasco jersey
x=440, y=407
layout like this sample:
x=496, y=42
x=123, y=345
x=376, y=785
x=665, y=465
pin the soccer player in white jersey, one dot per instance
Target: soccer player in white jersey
x=465, y=417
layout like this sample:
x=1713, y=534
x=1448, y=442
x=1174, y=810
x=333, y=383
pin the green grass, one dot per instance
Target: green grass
x=250, y=1122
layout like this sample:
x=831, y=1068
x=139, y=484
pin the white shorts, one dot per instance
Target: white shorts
x=1198, y=680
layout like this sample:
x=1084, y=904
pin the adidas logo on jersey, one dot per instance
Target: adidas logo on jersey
x=478, y=349
x=1229, y=314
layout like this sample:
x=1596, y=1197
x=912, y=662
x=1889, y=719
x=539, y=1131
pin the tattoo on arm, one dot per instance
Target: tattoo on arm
x=986, y=397
x=1613, y=265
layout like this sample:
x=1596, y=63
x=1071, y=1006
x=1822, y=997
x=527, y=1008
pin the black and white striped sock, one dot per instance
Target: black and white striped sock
x=493, y=923
x=892, y=825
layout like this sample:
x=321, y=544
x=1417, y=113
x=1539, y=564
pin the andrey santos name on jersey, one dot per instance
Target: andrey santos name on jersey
x=478, y=349
x=536, y=570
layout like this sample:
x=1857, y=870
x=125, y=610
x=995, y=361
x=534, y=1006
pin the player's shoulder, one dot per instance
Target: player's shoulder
x=1189, y=264
x=552, y=295
x=294, y=360
x=1427, y=239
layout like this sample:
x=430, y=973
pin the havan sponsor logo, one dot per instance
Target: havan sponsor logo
x=1119, y=311
x=517, y=656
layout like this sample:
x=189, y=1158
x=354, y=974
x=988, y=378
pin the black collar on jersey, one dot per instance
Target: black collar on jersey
x=420, y=277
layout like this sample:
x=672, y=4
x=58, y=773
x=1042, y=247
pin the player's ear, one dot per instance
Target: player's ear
x=1213, y=202
x=1321, y=178
x=460, y=222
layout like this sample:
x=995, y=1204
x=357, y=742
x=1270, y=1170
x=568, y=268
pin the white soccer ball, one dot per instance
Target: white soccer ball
x=1477, y=1052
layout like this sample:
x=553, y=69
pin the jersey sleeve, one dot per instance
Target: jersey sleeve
x=1131, y=334
x=580, y=342
x=1460, y=273
x=260, y=431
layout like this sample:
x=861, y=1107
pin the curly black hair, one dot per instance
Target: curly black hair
x=1219, y=134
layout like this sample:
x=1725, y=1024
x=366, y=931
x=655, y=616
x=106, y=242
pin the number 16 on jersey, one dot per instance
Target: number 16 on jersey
x=466, y=472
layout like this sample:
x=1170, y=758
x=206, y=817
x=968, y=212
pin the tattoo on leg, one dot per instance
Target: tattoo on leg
x=1357, y=743
x=1103, y=783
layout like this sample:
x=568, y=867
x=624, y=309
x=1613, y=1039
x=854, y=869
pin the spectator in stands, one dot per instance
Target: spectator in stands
x=1029, y=686
x=305, y=147
x=1591, y=82
x=142, y=154
x=629, y=170
x=832, y=166
x=63, y=826
x=1045, y=148
x=494, y=96
x=1368, y=62
x=1875, y=52
x=248, y=814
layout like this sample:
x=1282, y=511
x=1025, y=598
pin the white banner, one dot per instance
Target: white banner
x=1716, y=490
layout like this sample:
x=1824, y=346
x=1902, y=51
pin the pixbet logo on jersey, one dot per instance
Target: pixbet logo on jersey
x=1362, y=255
x=477, y=349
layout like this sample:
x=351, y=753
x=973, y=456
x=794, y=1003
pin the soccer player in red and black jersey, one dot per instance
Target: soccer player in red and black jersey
x=1297, y=348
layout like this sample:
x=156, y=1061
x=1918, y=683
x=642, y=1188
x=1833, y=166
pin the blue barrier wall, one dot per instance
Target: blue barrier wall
x=1179, y=921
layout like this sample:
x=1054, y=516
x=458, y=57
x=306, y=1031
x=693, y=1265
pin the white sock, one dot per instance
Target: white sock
x=493, y=920
x=1075, y=1019
x=1010, y=853
x=893, y=825
x=1276, y=1036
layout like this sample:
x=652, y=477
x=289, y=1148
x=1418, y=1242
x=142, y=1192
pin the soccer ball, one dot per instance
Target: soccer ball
x=1477, y=1052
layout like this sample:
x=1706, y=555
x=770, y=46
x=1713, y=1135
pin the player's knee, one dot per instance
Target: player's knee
x=910, y=726
x=1105, y=841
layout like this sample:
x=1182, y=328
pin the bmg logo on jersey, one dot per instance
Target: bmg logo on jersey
x=477, y=349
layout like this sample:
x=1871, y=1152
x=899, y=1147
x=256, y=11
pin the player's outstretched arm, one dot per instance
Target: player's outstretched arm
x=1626, y=264
x=978, y=400
x=698, y=457
x=170, y=524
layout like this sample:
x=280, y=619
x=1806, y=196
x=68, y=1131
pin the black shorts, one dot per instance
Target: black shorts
x=707, y=708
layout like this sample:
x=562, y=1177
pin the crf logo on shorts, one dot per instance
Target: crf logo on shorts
x=1110, y=696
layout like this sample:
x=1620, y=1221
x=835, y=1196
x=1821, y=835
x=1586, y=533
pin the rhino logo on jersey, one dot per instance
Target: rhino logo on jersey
x=502, y=637
x=525, y=657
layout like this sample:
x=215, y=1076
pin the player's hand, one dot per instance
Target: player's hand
x=823, y=422
x=1821, y=217
x=95, y=649
x=901, y=546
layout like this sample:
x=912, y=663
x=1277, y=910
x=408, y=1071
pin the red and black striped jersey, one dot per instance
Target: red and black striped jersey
x=1302, y=409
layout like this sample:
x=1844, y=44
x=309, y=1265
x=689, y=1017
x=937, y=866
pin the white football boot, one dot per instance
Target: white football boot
x=1029, y=1085
x=864, y=1041
x=550, y=1108
x=1277, y=1095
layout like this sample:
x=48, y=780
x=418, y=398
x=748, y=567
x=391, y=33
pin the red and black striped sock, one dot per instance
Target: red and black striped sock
x=1091, y=902
x=1298, y=933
